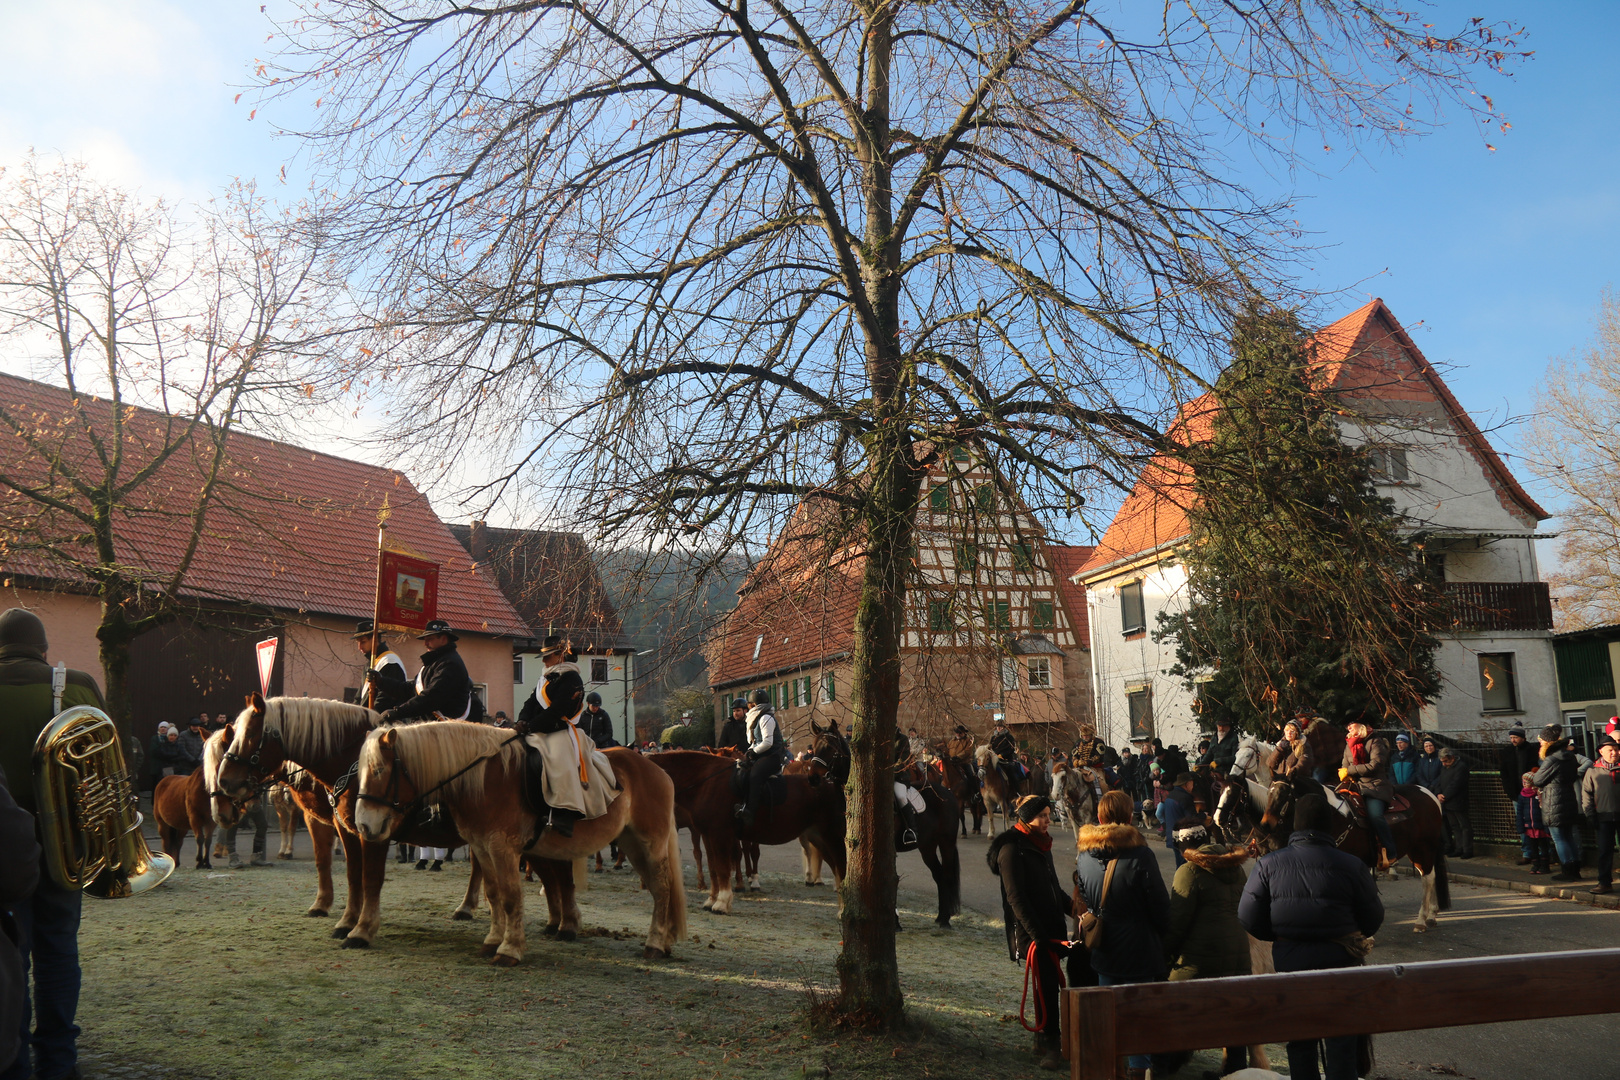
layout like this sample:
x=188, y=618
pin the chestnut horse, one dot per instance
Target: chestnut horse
x=287, y=814
x=305, y=795
x=475, y=774
x=1418, y=834
x=994, y=788
x=324, y=737
x=811, y=810
x=958, y=776
x=180, y=804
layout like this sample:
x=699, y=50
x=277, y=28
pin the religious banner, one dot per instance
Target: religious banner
x=265, y=652
x=407, y=591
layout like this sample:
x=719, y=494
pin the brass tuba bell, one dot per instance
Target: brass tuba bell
x=87, y=809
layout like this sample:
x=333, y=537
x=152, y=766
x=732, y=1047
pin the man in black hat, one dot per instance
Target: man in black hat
x=47, y=919
x=444, y=690
x=1005, y=747
x=553, y=712
x=386, y=684
x=734, y=734
x=1514, y=760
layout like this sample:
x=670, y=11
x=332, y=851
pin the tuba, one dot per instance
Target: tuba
x=87, y=809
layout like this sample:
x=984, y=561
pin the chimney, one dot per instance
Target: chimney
x=478, y=541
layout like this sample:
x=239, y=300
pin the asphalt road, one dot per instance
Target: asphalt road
x=1482, y=922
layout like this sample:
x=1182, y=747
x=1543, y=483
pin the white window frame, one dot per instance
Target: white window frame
x=1039, y=672
x=603, y=680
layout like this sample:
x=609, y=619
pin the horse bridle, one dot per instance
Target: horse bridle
x=256, y=777
x=831, y=767
x=398, y=768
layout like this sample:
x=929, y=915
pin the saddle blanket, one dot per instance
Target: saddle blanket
x=910, y=796
x=561, y=752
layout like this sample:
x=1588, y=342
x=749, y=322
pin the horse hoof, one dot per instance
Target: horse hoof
x=1421, y=928
x=489, y=948
x=714, y=911
x=943, y=924
x=356, y=943
x=461, y=916
x=550, y=931
x=502, y=960
x=316, y=913
x=341, y=931
x=1432, y=922
x=650, y=953
x=566, y=935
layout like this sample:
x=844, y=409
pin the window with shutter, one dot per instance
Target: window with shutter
x=1043, y=615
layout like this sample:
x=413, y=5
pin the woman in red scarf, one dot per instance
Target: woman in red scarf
x=1366, y=764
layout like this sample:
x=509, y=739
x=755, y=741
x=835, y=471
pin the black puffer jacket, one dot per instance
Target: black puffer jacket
x=1033, y=903
x=446, y=689
x=1556, y=779
x=1137, y=914
x=1307, y=895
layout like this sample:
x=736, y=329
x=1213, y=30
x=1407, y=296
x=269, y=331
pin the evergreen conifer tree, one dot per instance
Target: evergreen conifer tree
x=1303, y=589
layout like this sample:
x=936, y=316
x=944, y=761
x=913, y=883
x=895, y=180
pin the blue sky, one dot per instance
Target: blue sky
x=1494, y=261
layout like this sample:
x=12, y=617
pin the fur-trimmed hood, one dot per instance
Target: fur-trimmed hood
x=1109, y=837
x=1216, y=856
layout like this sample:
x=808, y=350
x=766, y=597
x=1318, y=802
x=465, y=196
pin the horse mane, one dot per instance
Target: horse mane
x=213, y=754
x=312, y=727
x=981, y=754
x=438, y=750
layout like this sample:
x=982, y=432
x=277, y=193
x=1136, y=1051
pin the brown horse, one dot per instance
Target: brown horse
x=475, y=773
x=304, y=794
x=997, y=796
x=1418, y=834
x=287, y=814
x=958, y=776
x=325, y=737
x=180, y=804
x=811, y=810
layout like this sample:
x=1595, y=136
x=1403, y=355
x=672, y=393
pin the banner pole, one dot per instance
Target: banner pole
x=376, y=603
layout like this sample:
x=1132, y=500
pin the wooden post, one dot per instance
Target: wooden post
x=1093, y=1056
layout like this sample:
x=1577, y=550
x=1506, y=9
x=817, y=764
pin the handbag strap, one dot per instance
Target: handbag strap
x=1108, y=879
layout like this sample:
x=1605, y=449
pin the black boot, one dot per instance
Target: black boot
x=908, y=818
x=563, y=821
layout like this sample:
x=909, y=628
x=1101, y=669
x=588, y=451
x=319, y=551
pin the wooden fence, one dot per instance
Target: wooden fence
x=1102, y=1024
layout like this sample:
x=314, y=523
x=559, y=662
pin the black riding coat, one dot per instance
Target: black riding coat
x=446, y=688
x=1004, y=746
x=734, y=735
x=555, y=702
x=1034, y=906
x=599, y=726
x=1222, y=753
x=393, y=687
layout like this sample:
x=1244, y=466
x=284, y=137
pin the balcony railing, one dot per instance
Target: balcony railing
x=1499, y=605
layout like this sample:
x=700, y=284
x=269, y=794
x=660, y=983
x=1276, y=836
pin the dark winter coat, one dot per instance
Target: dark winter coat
x=734, y=735
x=172, y=755
x=1513, y=762
x=1221, y=754
x=1371, y=779
x=1293, y=760
x=1556, y=781
x=1205, y=940
x=19, y=875
x=392, y=686
x=1033, y=903
x=1427, y=772
x=1125, y=776
x=1172, y=763
x=25, y=709
x=1452, y=785
x=446, y=689
x=556, y=702
x=1306, y=896
x=599, y=726
x=1004, y=746
x=1403, y=766
x=1600, y=793
x=1137, y=915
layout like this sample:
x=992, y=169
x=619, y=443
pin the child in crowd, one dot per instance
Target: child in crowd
x=1534, y=827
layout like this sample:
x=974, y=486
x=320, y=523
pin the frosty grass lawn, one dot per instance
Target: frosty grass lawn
x=218, y=974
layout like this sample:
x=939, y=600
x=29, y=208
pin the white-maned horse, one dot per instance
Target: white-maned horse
x=1247, y=788
x=1077, y=791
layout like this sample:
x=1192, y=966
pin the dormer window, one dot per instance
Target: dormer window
x=759, y=643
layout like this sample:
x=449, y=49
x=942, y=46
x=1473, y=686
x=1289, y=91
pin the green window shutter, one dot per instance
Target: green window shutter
x=1584, y=671
x=998, y=615
x=940, y=620
x=1023, y=557
x=1043, y=616
x=967, y=558
x=829, y=687
x=939, y=498
x=984, y=497
x=959, y=453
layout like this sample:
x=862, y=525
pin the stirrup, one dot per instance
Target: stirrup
x=908, y=837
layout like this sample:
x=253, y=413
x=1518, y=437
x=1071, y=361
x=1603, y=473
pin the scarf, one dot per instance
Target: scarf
x=1358, y=750
x=1041, y=842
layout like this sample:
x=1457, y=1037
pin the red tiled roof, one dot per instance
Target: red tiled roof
x=1066, y=560
x=1365, y=354
x=550, y=579
x=291, y=529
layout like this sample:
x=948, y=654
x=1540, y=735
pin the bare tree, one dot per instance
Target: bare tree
x=166, y=338
x=699, y=260
x=1573, y=452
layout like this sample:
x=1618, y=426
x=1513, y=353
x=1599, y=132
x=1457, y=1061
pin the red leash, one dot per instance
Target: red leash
x=1040, y=1002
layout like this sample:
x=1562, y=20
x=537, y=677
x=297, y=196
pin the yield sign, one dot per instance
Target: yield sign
x=266, y=651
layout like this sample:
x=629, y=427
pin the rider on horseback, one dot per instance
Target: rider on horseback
x=1365, y=767
x=1292, y=758
x=385, y=671
x=1005, y=747
x=763, y=758
x=908, y=801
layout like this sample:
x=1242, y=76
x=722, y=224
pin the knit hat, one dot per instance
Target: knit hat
x=22, y=627
x=1405, y=738
x=1192, y=834
x=1552, y=733
x=1030, y=807
x=1516, y=729
x=1297, y=725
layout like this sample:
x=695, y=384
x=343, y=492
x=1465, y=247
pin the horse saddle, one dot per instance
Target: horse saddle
x=534, y=781
x=1396, y=812
x=775, y=793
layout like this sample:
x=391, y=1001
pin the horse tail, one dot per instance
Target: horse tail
x=1442, y=882
x=677, y=881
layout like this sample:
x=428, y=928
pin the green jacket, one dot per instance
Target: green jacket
x=25, y=709
x=1206, y=941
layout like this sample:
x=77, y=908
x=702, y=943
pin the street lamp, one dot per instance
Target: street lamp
x=629, y=698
